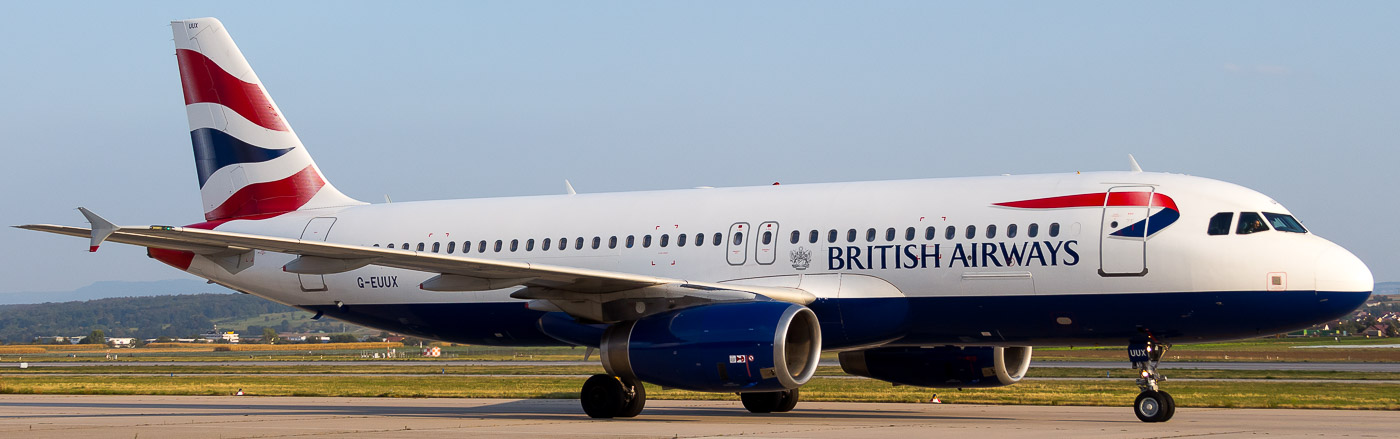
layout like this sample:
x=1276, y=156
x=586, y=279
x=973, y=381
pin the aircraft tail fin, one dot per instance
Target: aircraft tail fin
x=250, y=163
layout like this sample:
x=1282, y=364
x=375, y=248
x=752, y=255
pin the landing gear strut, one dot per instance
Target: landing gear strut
x=607, y=396
x=770, y=402
x=1153, y=404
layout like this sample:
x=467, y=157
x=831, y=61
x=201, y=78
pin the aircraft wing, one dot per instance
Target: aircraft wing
x=565, y=287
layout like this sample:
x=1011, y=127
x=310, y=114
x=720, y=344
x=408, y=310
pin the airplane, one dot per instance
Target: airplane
x=941, y=282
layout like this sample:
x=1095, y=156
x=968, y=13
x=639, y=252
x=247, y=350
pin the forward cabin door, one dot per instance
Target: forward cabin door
x=738, y=251
x=1123, y=236
x=316, y=230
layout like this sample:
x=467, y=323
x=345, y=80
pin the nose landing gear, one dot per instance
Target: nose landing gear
x=1153, y=404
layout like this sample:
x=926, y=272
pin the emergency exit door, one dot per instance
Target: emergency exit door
x=1123, y=236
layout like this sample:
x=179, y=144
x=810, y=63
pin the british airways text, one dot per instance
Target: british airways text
x=966, y=255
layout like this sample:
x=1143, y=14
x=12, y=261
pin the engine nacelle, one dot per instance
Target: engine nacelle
x=732, y=347
x=944, y=366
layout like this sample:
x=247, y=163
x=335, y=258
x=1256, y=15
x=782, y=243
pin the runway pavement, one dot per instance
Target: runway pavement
x=67, y=417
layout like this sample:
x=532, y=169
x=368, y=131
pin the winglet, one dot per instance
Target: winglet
x=569, y=188
x=1132, y=162
x=101, y=228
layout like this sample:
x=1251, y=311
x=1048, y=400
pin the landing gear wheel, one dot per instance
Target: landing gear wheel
x=637, y=401
x=1154, y=406
x=761, y=402
x=603, y=396
x=789, y=401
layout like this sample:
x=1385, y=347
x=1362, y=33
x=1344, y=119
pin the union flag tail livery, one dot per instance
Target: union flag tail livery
x=250, y=163
x=939, y=282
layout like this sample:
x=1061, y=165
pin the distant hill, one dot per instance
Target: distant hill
x=1387, y=288
x=151, y=317
x=108, y=289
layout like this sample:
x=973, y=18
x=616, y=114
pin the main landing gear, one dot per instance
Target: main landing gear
x=1153, y=404
x=607, y=396
x=769, y=402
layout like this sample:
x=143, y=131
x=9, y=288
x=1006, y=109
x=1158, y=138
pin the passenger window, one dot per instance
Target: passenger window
x=738, y=239
x=950, y=232
x=1250, y=222
x=451, y=247
x=1054, y=229
x=514, y=245
x=1033, y=230
x=796, y=236
x=971, y=232
x=498, y=245
x=612, y=242
x=544, y=246
x=909, y=234
x=437, y=246
x=631, y=240
x=680, y=239
x=481, y=247
x=530, y=245
x=646, y=241
x=578, y=243
x=870, y=235
x=665, y=239
x=597, y=242
x=563, y=244
x=699, y=239
x=1220, y=224
x=1285, y=223
x=831, y=236
x=405, y=246
x=889, y=234
x=391, y=245
x=991, y=231
x=719, y=239
x=930, y=233
x=376, y=245
x=767, y=237
x=1011, y=231
x=420, y=246
x=812, y=237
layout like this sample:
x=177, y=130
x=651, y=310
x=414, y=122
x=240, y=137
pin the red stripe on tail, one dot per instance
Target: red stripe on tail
x=205, y=81
x=279, y=196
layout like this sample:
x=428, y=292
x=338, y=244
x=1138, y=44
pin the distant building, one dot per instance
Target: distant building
x=121, y=342
x=51, y=339
x=297, y=337
x=1377, y=330
x=225, y=336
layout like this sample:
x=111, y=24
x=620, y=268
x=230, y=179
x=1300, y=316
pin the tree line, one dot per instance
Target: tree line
x=138, y=317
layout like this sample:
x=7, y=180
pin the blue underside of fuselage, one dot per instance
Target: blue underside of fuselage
x=1090, y=319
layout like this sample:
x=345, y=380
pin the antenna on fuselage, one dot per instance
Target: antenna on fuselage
x=1133, y=164
x=386, y=199
x=569, y=187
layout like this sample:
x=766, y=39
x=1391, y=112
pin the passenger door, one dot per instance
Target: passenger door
x=738, y=251
x=766, y=244
x=316, y=230
x=1123, y=236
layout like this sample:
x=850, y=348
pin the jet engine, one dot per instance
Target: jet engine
x=944, y=366
x=730, y=347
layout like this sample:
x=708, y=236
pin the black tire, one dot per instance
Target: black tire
x=789, y=401
x=603, y=397
x=1170, y=406
x=634, y=406
x=1152, y=406
x=761, y=402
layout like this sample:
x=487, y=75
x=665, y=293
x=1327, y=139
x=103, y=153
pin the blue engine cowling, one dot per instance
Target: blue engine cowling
x=733, y=347
x=945, y=366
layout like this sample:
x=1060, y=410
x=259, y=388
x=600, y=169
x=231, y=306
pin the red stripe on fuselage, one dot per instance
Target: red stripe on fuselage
x=271, y=197
x=205, y=81
x=1096, y=200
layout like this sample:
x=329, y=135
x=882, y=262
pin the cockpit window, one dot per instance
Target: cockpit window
x=1220, y=223
x=1250, y=222
x=1284, y=223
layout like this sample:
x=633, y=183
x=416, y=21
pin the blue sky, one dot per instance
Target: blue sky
x=453, y=100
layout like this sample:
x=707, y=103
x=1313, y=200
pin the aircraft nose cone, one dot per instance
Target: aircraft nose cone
x=1340, y=271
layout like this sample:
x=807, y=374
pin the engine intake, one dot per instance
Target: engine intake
x=944, y=366
x=750, y=347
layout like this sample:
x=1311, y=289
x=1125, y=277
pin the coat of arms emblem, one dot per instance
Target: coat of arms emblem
x=801, y=258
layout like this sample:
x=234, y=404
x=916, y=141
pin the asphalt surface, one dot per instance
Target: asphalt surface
x=1340, y=367
x=146, y=417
